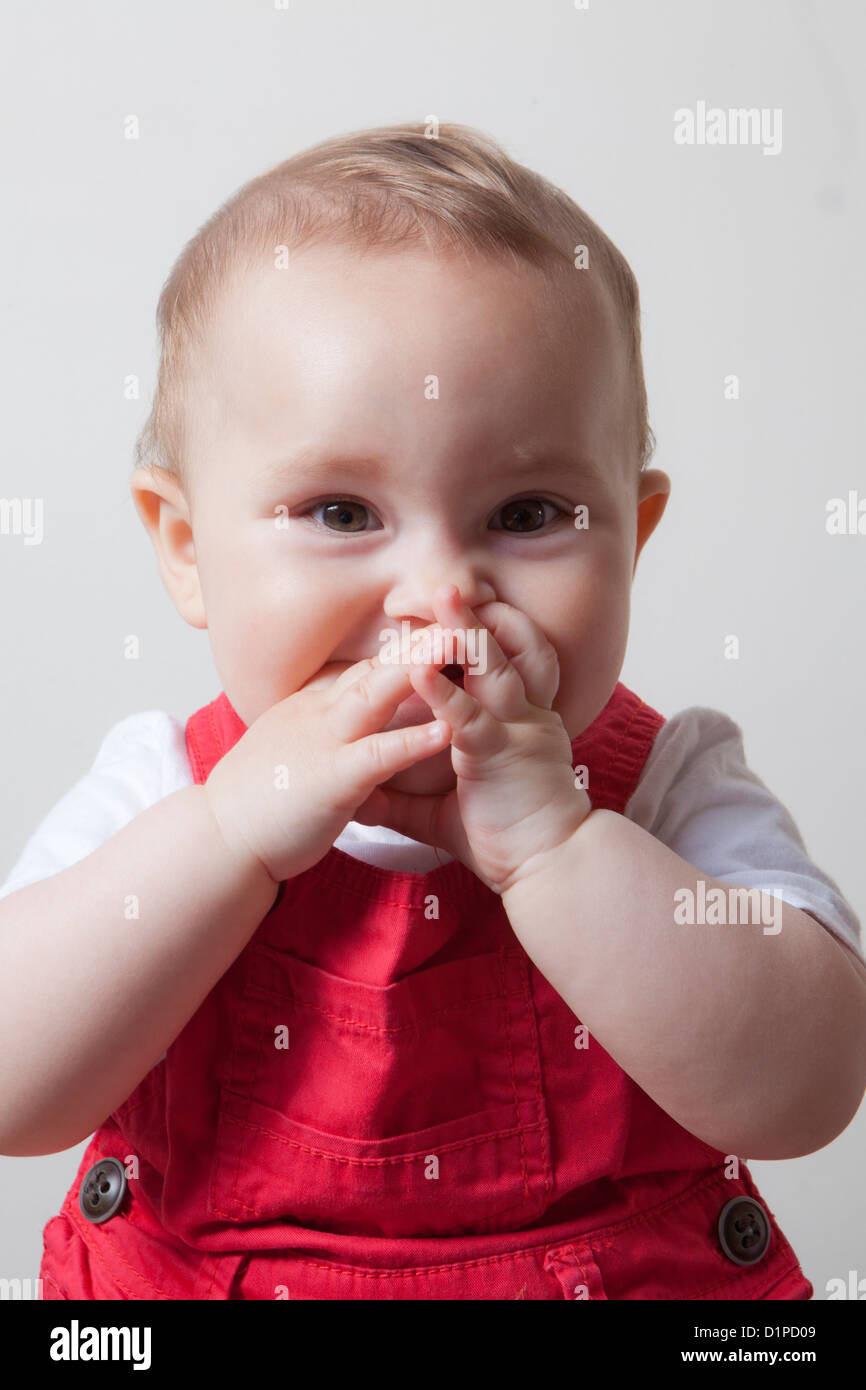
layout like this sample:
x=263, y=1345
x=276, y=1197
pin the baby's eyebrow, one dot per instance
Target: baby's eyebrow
x=312, y=465
x=555, y=462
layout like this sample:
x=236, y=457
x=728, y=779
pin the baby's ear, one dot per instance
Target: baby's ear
x=653, y=492
x=162, y=507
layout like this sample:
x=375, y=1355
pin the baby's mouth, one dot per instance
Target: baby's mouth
x=454, y=673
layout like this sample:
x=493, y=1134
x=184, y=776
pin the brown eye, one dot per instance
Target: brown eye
x=344, y=515
x=527, y=514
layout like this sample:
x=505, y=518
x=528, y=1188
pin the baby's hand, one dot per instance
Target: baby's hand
x=516, y=795
x=293, y=781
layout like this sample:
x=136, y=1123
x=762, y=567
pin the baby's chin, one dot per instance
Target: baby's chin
x=431, y=777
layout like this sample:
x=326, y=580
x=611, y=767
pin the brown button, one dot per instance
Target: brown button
x=744, y=1230
x=102, y=1190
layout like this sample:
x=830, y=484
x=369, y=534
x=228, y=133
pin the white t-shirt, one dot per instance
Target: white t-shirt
x=695, y=794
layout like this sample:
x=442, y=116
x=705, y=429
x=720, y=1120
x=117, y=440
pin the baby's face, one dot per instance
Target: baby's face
x=426, y=393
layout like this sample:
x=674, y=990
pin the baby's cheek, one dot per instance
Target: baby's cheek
x=576, y=699
x=327, y=675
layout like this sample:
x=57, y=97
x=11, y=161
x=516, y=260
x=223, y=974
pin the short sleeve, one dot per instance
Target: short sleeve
x=141, y=759
x=700, y=798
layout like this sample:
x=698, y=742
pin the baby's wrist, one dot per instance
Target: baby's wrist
x=250, y=867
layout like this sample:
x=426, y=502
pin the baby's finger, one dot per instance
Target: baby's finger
x=376, y=758
x=369, y=702
x=490, y=678
x=529, y=650
x=474, y=730
x=359, y=669
x=434, y=820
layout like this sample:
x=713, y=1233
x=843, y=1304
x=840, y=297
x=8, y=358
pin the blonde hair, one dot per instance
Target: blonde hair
x=384, y=187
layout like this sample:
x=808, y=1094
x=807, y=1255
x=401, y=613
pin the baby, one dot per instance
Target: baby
x=380, y=978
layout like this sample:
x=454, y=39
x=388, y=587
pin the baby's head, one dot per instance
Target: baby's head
x=441, y=341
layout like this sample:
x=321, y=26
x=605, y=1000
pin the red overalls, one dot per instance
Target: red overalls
x=382, y=1098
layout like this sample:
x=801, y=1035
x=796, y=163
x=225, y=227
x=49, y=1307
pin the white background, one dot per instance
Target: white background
x=748, y=264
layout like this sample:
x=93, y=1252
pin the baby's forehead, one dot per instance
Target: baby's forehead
x=569, y=299
x=321, y=312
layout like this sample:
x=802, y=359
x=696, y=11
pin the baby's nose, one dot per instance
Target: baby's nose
x=413, y=598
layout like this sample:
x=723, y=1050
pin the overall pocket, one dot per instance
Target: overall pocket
x=406, y=1110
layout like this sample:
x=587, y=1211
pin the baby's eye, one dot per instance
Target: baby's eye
x=342, y=514
x=521, y=517
x=525, y=515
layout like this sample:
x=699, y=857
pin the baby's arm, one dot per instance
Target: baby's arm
x=89, y=997
x=755, y=1043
